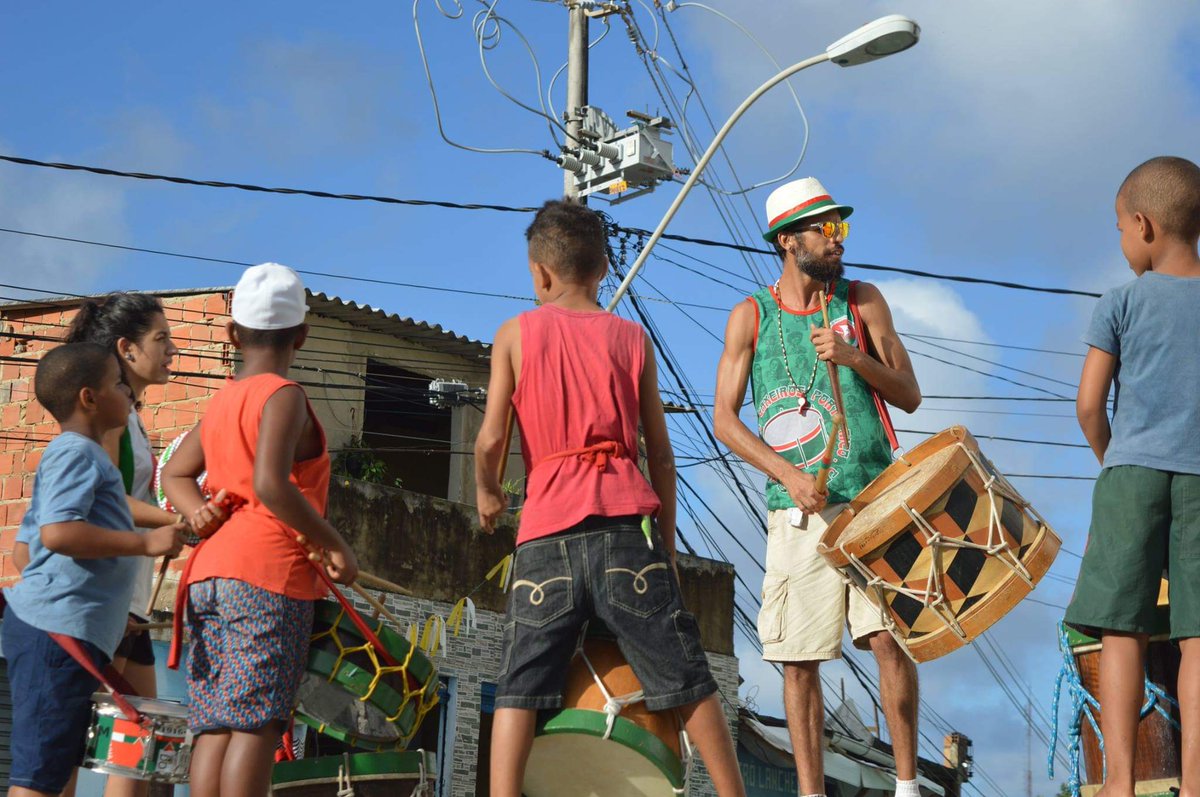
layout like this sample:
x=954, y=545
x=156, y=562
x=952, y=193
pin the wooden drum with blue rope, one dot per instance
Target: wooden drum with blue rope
x=1157, y=759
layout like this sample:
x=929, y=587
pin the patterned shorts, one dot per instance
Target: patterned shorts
x=249, y=649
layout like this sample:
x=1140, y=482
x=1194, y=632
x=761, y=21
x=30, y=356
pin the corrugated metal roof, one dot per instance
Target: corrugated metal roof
x=362, y=316
x=376, y=320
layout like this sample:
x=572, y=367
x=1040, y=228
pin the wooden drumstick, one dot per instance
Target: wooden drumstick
x=382, y=583
x=149, y=626
x=508, y=429
x=834, y=382
x=827, y=454
x=158, y=582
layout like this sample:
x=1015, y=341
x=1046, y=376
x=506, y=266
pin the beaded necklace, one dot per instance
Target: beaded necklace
x=802, y=402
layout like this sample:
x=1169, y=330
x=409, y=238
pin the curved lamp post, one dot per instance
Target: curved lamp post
x=879, y=39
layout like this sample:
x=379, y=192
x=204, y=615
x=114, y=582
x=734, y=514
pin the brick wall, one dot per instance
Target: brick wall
x=197, y=323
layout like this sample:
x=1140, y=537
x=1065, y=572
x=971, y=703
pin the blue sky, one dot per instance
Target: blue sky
x=991, y=149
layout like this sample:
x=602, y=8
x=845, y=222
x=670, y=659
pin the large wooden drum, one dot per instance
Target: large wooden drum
x=395, y=774
x=576, y=754
x=942, y=544
x=351, y=694
x=1158, y=740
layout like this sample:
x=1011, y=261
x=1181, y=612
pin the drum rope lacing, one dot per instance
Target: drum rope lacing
x=613, y=707
x=414, y=691
x=1084, y=705
x=933, y=597
x=345, y=780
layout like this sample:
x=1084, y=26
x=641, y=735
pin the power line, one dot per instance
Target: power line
x=507, y=209
x=388, y=200
x=1006, y=439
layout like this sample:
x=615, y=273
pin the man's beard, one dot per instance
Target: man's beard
x=822, y=269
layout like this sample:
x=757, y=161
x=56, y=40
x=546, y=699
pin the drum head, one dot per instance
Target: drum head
x=570, y=758
x=353, y=696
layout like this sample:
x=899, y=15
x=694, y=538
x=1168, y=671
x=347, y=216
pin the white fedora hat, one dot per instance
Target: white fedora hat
x=797, y=200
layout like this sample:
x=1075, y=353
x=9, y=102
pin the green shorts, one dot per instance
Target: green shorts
x=1144, y=521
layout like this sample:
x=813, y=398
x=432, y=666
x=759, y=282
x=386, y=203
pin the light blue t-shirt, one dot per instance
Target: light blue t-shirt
x=1152, y=326
x=84, y=598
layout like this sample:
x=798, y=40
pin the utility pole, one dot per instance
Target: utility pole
x=577, y=86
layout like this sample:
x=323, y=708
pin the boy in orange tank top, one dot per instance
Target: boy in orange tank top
x=250, y=588
x=586, y=380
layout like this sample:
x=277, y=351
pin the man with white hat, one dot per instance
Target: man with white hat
x=776, y=340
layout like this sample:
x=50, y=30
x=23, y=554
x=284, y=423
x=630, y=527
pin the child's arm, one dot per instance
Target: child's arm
x=1091, y=405
x=660, y=459
x=179, y=484
x=20, y=555
x=284, y=418
x=145, y=515
x=490, y=444
x=79, y=539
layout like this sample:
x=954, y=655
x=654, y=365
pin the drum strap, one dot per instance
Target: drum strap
x=108, y=676
x=596, y=454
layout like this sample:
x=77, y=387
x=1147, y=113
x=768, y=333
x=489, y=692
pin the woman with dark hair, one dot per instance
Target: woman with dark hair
x=134, y=326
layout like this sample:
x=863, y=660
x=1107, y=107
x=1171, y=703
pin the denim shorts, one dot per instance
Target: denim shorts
x=52, y=705
x=601, y=569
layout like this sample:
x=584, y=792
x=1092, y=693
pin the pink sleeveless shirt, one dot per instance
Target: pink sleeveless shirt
x=578, y=409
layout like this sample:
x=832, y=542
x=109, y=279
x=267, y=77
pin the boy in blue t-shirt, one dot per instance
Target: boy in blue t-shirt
x=81, y=572
x=1146, y=505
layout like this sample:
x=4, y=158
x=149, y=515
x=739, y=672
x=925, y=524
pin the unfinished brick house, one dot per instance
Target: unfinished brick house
x=400, y=403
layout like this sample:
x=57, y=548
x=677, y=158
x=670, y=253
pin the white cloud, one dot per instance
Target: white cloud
x=57, y=203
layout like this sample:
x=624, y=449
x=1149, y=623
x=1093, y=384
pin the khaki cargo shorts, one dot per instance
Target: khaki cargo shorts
x=805, y=603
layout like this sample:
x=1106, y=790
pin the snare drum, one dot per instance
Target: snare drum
x=406, y=774
x=580, y=752
x=159, y=748
x=941, y=544
x=348, y=692
x=161, y=497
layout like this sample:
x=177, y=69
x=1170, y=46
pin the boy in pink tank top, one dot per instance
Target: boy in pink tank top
x=249, y=586
x=580, y=382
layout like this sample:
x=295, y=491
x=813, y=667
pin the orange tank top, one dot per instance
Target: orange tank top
x=254, y=546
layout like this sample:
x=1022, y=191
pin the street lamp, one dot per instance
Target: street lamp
x=879, y=39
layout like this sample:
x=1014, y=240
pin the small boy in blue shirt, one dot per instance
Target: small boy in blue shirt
x=82, y=567
x=1146, y=504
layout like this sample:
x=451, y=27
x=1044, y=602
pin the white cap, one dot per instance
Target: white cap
x=269, y=296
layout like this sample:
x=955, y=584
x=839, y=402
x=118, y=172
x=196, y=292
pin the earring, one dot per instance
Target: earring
x=129, y=357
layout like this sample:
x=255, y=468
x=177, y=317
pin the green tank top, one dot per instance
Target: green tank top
x=864, y=450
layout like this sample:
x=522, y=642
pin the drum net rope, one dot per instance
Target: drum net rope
x=933, y=596
x=1084, y=706
x=345, y=778
x=613, y=706
x=413, y=691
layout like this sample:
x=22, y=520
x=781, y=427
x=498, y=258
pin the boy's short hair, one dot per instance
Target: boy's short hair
x=569, y=239
x=280, y=339
x=1167, y=190
x=64, y=371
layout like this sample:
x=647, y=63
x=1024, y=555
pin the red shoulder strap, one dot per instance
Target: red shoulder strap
x=864, y=343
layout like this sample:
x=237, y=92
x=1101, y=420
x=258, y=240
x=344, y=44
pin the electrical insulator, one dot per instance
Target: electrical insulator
x=590, y=158
x=608, y=151
x=570, y=163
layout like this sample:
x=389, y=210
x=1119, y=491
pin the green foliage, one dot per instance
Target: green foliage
x=356, y=461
